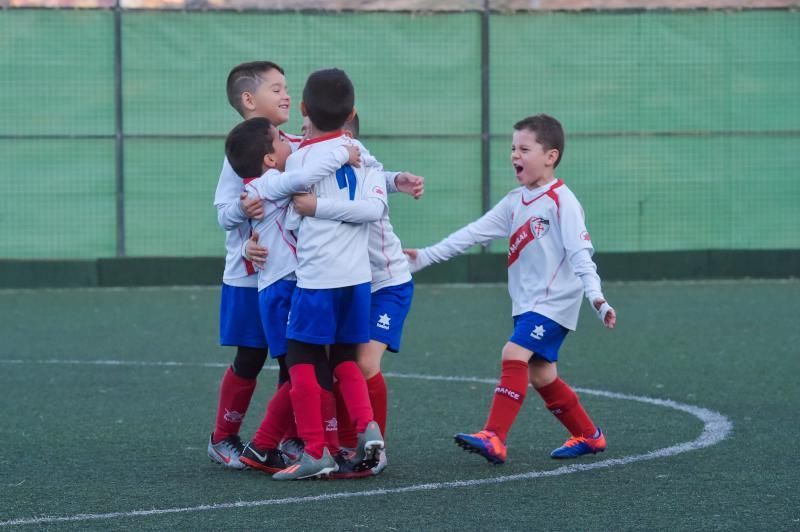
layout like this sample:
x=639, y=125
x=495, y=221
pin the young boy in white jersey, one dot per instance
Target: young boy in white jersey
x=549, y=268
x=330, y=306
x=392, y=291
x=255, y=147
x=256, y=89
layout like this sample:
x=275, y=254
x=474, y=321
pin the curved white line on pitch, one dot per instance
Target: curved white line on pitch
x=716, y=428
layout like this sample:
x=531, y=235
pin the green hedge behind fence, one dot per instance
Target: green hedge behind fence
x=683, y=127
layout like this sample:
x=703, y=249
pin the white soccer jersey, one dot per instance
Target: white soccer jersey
x=275, y=189
x=238, y=270
x=388, y=263
x=549, y=264
x=334, y=253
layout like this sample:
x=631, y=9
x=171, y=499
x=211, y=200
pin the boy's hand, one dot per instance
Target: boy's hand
x=410, y=184
x=305, y=204
x=251, y=207
x=355, y=156
x=605, y=312
x=413, y=264
x=255, y=253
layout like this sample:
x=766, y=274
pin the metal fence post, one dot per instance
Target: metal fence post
x=486, y=191
x=119, y=138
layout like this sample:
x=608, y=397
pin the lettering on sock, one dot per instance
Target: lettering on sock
x=502, y=390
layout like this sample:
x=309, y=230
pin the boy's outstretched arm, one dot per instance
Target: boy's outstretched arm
x=369, y=209
x=494, y=224
x=275, y=185
x=355, y=211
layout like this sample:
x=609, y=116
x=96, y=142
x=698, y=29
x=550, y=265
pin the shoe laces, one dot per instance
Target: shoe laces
x=234, y=443
x=576, y=440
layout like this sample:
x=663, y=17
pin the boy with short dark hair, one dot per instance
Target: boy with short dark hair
x=549, y=267
x=330, y=306
x=255, y=147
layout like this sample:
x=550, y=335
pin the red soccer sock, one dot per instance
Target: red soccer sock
x=291, y=429
x=353, y=388
x=347, y=430
x=563, y=402
x=234, y=398
x=376, y=387
x=306, y=395
x=329, y=421
x=508, y=397
x=277, y=417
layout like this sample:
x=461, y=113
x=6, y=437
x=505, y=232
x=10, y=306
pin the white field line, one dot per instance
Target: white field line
x=716, y=427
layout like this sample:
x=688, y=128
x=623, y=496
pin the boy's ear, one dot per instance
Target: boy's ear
x=303, y=110
x=269, y=162
x=351, y=115
x=247, y=101
x=552, y=156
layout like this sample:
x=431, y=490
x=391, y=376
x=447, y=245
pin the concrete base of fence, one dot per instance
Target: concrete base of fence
x=479, y=268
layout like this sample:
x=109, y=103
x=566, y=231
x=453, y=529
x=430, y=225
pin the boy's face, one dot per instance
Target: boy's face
x=271, y=99
x=532, y=163
x=281, y=151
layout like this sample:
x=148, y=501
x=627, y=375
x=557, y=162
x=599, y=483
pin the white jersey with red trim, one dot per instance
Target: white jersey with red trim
x=547, y=239
x=238, y=270
x=387, y=261
x=333, y=253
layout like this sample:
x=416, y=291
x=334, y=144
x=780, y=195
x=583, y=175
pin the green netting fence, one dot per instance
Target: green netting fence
x=683, y=128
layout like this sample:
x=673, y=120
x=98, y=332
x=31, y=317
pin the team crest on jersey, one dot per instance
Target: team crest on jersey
x=585, y=236
x=378, y=191
x=539, y=226
x=534, y=229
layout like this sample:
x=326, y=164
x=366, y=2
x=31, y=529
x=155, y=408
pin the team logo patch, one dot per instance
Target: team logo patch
x=585, y=236
x=538, y=332
x=232, y=416
x=383, y=321
x=378, y=191
x=539, y=226
x=331, y=425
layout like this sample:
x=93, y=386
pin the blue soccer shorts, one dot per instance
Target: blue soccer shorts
x=539, y=334
x=274, y=303
x=327, y=316
x=388, y=311
x=239, y=319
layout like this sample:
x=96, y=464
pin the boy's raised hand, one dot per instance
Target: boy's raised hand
x=251, y=207
x=355, y=156
x=411, y=184
x=255, y=253
x=305, y=204
x=605, y=312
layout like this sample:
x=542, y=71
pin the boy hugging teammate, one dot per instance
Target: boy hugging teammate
x=253, y=148
x=331, y=304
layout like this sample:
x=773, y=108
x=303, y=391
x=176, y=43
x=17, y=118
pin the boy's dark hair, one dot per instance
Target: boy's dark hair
x=353, y=126
x=549, y=132
x=329, y=98
x=246, y=77
x=246, y=146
